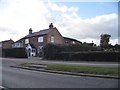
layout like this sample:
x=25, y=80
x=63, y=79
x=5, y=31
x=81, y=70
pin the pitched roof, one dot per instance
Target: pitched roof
x=7, y=41
x=41, y=32
x=72, y=39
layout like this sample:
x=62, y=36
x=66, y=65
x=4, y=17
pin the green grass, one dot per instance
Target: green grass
x=79, y=69
x=84, y=69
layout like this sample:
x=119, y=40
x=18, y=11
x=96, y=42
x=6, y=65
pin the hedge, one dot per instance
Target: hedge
x=79, y=53
x=14, y=52
x=50, y=50
x=0, y=52
x=87, y=56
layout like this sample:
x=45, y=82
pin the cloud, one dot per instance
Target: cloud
x=91, y=28
x=72, y=25
x=17, y=16
x=20, y=15
x=62, y=9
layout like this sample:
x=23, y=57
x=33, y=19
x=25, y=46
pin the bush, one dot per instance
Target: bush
x=78, y=53
x=89, y=56
x=0, y=52
x=50, y=50
x=77, y=48
x=14, y=52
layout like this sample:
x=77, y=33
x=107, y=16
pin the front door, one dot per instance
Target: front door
x=29, y=52
x=40, y=51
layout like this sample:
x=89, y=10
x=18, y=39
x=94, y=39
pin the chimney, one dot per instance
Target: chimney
x=51, y=25
x=30, y=31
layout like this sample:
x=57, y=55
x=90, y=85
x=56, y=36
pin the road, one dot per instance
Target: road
x=38, y=60
x=20, y=78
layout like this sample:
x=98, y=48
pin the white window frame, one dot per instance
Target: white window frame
x=40, y=39
x=17, y=44
x=26, y=41
x=52, y=39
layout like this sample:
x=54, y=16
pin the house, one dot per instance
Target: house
x=35, y=41
x=69, y=41
x=6, y=44
x=90, y=44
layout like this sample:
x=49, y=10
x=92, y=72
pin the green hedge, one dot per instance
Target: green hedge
x=50, y=50
x=79, y=53
x=14, y=52
x=87, y=56
x=0, y=52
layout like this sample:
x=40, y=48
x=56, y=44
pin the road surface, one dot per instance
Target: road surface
x=20, y=78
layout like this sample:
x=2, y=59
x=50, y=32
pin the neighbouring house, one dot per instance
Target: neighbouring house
x=71, y=41
x=90, y=44
x=35, y=41
x=6, y=44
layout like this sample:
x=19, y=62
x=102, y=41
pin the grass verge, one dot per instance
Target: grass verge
x=114, y=71
x=84, y=69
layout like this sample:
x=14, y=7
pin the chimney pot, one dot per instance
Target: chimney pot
x=51, y=25
x=30, y=31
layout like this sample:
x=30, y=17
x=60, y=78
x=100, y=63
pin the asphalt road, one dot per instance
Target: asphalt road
x=19, y=78
x=38, y=60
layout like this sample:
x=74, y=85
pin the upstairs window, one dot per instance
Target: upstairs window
x=26, y=41
x=40, y=39
x=52, y=39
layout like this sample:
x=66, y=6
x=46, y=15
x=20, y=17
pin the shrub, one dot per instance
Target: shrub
x=50, y=50
x=0, y=52
x=79, y=53
x=14, y=52
x=77, y=48
x=89, y=56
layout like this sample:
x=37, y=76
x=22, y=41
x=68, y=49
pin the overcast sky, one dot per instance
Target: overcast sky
x=84, y=21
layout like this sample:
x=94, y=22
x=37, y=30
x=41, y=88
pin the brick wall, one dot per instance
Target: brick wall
x=7, y=44
x=58, y=39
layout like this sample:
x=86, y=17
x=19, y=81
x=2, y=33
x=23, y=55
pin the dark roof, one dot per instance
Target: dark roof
x=72, y=39
x=20, y=40
x=41, y=32
x=7, y=41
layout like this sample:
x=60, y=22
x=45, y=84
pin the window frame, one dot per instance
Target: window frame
x=41, y=39
x=52, y=39
x=26, y=41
